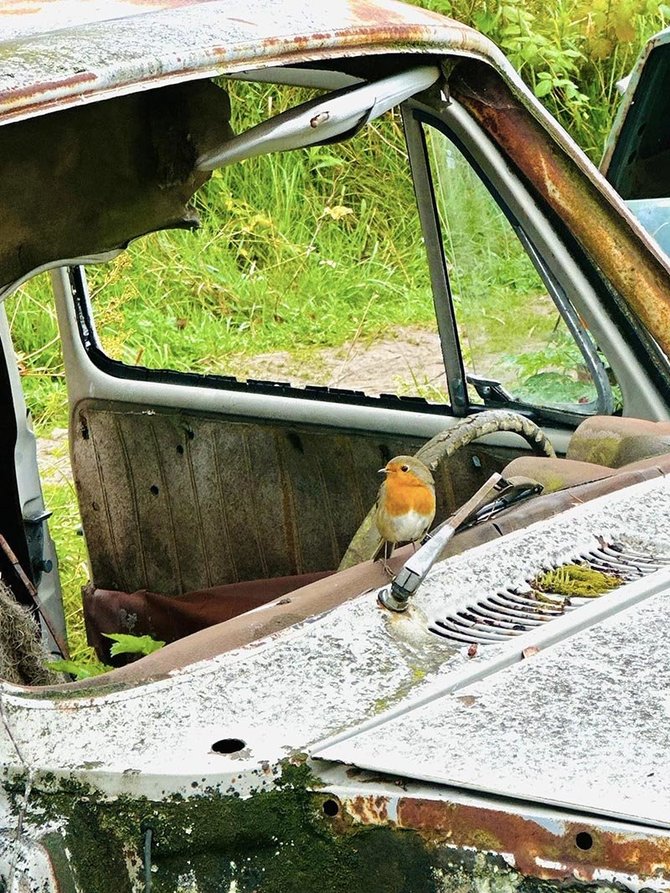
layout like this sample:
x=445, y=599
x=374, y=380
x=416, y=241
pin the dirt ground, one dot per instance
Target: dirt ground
x=53, y=458
x=403, y=364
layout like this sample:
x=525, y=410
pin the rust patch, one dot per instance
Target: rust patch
x=46, y=86
x=370, y=810
x=637, y=274
x=570, y=851
x=363, y=28
x=467, y=700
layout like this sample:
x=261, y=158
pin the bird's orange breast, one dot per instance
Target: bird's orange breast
x=408, y=494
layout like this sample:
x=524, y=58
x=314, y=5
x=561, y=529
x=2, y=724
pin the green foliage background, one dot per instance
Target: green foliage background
x=571, y=52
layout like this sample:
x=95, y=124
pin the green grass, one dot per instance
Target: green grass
x=308, y=253
x=326, y=250
x=63, y=526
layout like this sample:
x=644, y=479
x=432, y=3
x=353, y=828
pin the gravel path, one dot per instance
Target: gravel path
x=53, y=457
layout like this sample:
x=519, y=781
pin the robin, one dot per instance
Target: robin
x=405, y=505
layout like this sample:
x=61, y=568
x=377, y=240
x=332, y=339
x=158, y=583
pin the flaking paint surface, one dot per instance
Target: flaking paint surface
x=582, y=724
x=58, y=53
x=339, y=669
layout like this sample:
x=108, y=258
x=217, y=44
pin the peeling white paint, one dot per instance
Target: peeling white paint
x=306, y=683
x=543, y=729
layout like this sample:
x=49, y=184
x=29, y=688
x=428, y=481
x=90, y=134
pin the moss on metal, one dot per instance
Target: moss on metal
x=576, y=580
x=468, y=871
x=280, y=840
x=289, y=839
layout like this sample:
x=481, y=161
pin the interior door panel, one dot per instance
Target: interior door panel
x=175, y=501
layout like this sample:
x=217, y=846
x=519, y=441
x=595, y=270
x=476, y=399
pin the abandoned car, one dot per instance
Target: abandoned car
x=491, y=719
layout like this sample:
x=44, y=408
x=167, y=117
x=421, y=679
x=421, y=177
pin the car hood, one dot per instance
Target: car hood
x=558, y=714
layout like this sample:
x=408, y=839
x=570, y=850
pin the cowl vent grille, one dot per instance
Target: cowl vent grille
x=513, y=611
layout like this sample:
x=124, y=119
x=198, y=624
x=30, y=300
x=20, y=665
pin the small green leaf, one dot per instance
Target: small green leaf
x=542, y=88
x=127, y=644
x=77, y=669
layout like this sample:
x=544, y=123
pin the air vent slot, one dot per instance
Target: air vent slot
x=513, y=611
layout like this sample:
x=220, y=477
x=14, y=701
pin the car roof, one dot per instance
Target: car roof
x=56, y=53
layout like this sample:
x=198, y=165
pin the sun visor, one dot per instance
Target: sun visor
x=86, y=181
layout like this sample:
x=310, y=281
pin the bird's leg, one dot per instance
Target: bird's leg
x=386, y=554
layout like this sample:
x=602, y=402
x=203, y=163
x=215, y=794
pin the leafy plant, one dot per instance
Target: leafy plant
x=553, y=372
x=123, y=644
x=80, y=669
x=571, y=53
x=127, y=644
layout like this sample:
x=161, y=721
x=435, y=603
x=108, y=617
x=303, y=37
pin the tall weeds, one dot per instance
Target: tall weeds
x=570, y=52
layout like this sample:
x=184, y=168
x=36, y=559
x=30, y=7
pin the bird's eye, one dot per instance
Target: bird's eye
x=404, y=467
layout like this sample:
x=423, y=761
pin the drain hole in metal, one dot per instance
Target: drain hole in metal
x=584, y=840
x=331, y=808
x=229, y=745
x=510, y=612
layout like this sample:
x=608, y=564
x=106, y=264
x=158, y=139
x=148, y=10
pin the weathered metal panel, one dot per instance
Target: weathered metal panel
x=54, y=54
x=85, y=182
x=358, y=659
x=582, y=725
x=536, y=842
x=197, y=504
x=79, y=763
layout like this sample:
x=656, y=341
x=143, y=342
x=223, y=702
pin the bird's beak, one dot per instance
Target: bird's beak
x=382, y=471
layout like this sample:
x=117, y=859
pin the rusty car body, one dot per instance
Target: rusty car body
x=304, y=737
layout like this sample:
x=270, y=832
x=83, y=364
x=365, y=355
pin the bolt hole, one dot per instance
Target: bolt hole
x=190, y=433
x=229, y=745
x=154, y=489
x=180, y=449
x=330, y=808
x=584, y=840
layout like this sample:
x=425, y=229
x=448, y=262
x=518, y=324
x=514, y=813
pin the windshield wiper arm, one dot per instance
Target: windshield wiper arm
x=396, y=595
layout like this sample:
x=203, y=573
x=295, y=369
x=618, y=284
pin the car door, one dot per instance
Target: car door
x=637, y=156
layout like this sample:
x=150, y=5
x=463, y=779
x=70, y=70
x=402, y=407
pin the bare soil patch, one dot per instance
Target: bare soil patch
x=410, y=359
